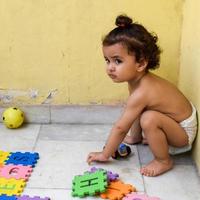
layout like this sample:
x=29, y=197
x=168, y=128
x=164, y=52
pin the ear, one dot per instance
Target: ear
x=142, y=65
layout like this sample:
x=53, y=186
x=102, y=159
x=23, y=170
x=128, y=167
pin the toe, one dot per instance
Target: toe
x=142, y=170
x=147, y=172
x=152, y=173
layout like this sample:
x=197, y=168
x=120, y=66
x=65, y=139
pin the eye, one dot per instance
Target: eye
x=117, y=61
x=107, y=61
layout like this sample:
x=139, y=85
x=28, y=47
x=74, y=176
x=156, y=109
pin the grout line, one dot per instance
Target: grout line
x=37, y=138
x=140, y=163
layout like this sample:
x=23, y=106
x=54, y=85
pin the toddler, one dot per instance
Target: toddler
x=155, y=107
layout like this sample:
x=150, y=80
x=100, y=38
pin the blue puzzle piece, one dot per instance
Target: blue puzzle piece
x=5, y=197
x=19, y=158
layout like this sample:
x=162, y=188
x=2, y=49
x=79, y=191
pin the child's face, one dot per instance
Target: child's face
x=120, y=66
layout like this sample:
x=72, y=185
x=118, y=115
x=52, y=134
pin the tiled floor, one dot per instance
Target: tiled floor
x=63, y=150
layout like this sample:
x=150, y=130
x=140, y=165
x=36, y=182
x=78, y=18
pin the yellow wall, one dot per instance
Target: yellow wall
x=190, y=60
x=50, y=51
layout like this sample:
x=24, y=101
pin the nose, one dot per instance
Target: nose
x=111, y=67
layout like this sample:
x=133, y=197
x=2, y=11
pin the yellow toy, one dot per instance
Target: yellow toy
x=13, y=117
x=11, y=186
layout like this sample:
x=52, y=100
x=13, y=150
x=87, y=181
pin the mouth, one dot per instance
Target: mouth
x=112, y=76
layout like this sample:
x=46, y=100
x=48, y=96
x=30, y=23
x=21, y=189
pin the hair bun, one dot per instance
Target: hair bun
x=123, y=21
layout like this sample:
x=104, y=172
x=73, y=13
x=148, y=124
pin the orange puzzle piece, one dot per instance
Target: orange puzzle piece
x=116, y=190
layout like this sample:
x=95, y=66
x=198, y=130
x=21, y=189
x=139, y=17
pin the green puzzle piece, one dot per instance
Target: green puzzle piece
x=89, y=183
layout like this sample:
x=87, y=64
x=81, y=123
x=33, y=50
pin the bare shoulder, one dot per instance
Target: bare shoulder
x=141, y=90
x=139, y=94
x=158, y=86
x=163, y=96
x=152, y=79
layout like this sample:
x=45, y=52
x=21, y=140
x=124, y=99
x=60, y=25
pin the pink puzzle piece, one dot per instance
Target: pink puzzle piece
x=136, y=196
x=26, y=197
x=15, y=171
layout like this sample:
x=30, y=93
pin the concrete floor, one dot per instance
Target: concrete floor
x=63, y=149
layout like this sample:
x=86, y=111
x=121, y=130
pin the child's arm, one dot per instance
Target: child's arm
x=134, y=108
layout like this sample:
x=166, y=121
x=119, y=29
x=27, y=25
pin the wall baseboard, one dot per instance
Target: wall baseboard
x=70, y=114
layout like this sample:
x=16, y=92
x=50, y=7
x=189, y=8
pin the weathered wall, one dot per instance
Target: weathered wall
x=190, y=61
x=50, y=51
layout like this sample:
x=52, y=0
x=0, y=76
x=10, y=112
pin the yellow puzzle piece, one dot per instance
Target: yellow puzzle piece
x=11, y=186
x=3, y=156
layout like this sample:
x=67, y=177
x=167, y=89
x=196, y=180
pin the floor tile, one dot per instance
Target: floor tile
x=146, y=156
x=63, y=150
x=56, y=194
x=21, y=139
x=60, y=161
x=180, y=183
x=74, y=132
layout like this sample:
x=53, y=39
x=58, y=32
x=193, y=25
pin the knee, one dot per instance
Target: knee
x=148, y=120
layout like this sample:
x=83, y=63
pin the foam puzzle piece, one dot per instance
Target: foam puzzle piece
x=111, y=176
x=26, y=197
x=3, y=156
x=16, y=171
x=89, y=183
x=11, y=186
x=116, y=190
x=136, y=196
x=19, y=158
x=5, y=197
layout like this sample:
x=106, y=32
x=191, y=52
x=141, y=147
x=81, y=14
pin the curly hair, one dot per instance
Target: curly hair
x=138, y=41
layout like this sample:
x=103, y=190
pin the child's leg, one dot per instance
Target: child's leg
x=160, y=131
x=134, y=135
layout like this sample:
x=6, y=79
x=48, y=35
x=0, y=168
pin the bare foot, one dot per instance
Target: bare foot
x=156, y=167
x=132, y=140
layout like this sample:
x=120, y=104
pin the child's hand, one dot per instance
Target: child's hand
x=96, y=156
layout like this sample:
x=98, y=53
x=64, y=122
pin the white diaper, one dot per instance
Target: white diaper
x=190, y=127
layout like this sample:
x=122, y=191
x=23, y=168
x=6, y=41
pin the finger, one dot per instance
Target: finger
x=90, y=160
x=88, y=156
